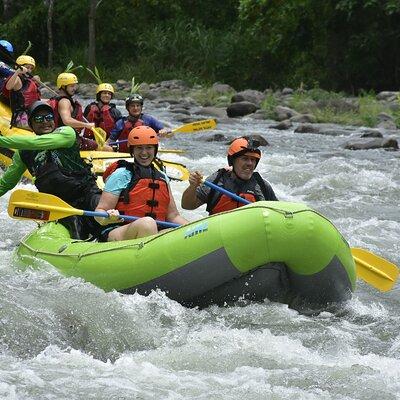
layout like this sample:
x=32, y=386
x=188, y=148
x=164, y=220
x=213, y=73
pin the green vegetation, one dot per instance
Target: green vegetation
x=334, y=44
x=334, y=107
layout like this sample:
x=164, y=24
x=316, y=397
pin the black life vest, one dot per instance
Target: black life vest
x=51, y=177
x=218, y=202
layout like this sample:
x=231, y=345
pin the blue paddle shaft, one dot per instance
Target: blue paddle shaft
x=227, y=192
x=128, y=218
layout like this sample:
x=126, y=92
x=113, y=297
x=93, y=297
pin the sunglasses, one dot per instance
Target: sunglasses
x=42, y=118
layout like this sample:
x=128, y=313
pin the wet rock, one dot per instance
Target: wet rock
x=286, y=91
x=334, y=132
x=87, y=90
x=262, y=141
x=339, y=105
x=307, y=128
x=371, y=143
x=252, y=96
x=386, y=121
x=304, y=118
x=371, y=133
x=285, y=113
x=222, y=88
x=216, y=137
x=283, y=125
x=240, y=109
x=387, y=96
x=211, y=111
x=173, y=84
x=121, y=84
x=180, y=111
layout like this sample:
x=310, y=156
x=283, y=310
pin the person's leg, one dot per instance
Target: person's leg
x=142, y=227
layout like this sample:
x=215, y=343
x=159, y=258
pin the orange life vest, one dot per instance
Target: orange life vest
x=147, y=193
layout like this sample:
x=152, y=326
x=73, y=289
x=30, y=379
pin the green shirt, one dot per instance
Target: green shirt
x=62, y=138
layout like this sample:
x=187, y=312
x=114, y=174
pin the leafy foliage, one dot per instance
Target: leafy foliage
x=335, y=44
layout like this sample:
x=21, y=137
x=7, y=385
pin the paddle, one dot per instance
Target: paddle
x=375, y=270
x=101, y=159
x=24, y=204
x=196, y=126
x=371, y=268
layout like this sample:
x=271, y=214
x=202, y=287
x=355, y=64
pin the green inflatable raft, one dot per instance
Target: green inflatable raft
x=285, y=252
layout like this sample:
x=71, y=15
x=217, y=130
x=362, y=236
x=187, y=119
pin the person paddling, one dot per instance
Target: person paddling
x=52, y=157
x=68, y=111
x=102, y=112
x=243, y=156
x=137, y=189
x=136, y=117
x=22, y=90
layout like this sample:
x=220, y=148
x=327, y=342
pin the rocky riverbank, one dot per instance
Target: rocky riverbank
x=369, y=121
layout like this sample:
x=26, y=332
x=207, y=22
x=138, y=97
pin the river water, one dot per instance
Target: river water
x=65, y=339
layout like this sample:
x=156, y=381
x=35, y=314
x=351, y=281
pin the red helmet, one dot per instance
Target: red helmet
x=241, y=146
x=142, y=135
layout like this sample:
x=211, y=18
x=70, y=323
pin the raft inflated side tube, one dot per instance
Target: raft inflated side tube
x=195, y=261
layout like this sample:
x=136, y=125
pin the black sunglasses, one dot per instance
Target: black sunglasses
x=42, y=118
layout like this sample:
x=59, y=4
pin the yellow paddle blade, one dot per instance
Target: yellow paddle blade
x=196, y=126
x=24, y=204
x=375, y=270
x=100, y=136
x=102, y=159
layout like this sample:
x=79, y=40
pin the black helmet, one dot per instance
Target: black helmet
x=133, y=98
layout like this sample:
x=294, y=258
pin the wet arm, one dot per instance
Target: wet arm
x=12, y=175
x=63, y=137
x=64, y=109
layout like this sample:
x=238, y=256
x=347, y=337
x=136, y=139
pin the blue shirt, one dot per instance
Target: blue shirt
x=147, y=119
x=119, y=181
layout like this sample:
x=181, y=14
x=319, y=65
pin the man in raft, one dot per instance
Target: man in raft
x=102, y=112
x=68, y=111
x=243, y=156
x=22, y=90
x=134, y=106
x=137, y=189
x=52, y=157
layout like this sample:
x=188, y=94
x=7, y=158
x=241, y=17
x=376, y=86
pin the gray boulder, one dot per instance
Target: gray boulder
x=240, y=109
x=283, y=125
x=371, y=143
x=307, y=128
x=285, y=113
x=252, y=96
x=222, y=88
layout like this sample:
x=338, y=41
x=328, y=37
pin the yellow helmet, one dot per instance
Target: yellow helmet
x=66, y=78
x=22, y=60
x=105, y=87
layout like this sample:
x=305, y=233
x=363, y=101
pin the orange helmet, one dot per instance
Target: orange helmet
x=142, y=135
x=241, y=146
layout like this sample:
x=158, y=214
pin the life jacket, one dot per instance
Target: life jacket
x=128, y=126
x=101, y=116
x=147, y=194
x=76, y=113
x=69, y=180
x=22, y=99
x=218, y=202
